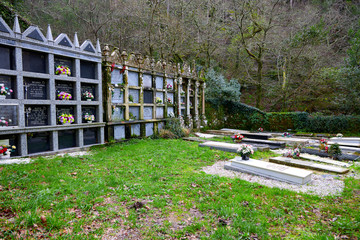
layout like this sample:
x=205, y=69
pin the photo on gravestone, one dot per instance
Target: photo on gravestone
x=38, y=142
x=8, y=115
x=68, y=110
x=13, y=140
x=90, y=111
x=8, y=82
x=90, y=136
x=7, y=57
x=36, y=115
x=148, y=97
x=35, y=88
x=63, y=89
x=67, y=139
x=34, y=61
x=87, y=91
x=88, y=69
x=64, y=62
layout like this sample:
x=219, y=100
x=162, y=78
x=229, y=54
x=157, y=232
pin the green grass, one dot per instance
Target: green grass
x=90, y=196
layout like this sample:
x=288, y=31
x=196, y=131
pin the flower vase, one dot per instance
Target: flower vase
x=7, y=156
x=245, y=157
x=2, y=97
x=89, y=99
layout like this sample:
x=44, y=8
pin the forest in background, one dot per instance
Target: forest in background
x=287, y=55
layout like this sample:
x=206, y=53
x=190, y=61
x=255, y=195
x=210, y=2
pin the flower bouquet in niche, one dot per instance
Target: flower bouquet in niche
x=245, y=151
x=6, y=150
x=292, y=153
x=237, y=137
x=4, y=122
x=89, y=118
x=260, y=129
x=159, y=100
x=64, y=96
x=4, y=91
x=88, y=96
x=62, y=70
x=169, y=101
x=66, y=119
x=169, y=86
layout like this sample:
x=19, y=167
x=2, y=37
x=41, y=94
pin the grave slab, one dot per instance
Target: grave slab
x=291, y=140
x=308, y=165
x=324, y=160
x=222, y=146
x=272, y=144
x=346, y=140
x=324, y=154
x=270, y=170
x=204, y=135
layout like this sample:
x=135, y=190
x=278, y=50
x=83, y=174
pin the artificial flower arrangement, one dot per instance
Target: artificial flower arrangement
x=324, y=145
x=64, y=96
x=88, y=95
x=182, y=92
x=292, y=153
x=4, y=122
x=169, y=86
x=286, y=134
x=5, y=90
x=339, y=135
x=66, y=118
x=169, y=101
x=89, y=117
x=62, y=70
x=245, y=151
x=158, y=100
x=6, y=149
x=260, y=129
x=237, y=137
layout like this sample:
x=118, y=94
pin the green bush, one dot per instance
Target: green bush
x=173, y=125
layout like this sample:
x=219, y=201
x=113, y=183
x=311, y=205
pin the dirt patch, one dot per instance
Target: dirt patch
x=6, y=213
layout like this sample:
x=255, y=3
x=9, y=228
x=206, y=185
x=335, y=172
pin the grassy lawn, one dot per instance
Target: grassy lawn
x=93, y=196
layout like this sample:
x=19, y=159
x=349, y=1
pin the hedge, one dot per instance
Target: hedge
x=241, y=116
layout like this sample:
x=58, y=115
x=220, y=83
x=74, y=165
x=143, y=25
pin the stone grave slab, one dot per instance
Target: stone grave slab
x=119, y=132
x=194, y=139
x=133, y=79
x=135, y=94
x=308, y=165
x=159, y=82
x=346, y=140
x=147, y=81
x=118, y=114
x=272, y=144
x=135, y=112
x=135, y=130
x=161, y=96
x=220, y=132
x=324, y=160
x=148, y=113
x=222, y=146
x=117, y=96
x=270, y=170
x=149, y=129
x=324, y=154
x=159, y=112
x=291, y=140
x=116, y=76
x=204, y=135
x=170, y=111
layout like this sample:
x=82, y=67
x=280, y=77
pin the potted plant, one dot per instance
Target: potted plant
x=4, y=122
x=260, y=129
x=245, y=151
x=169, y=86
x=4, y=91
x=89, y=118
x=64, y=96
x=237, y=137
x=6, y=150
x=66, y=119
x=158, y=100
x=335, y=151
x=88, y=96
x=62, y=70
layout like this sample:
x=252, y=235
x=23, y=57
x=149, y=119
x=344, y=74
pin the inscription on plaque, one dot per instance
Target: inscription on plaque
x=159, y=112
x=8, y=82
x=159, y=82
x=147, y=81
x=90, y=136
x=135, y=95
x=119, y=132
x=9, y=112
x=149, y=129
x=66, y=62
x=88, y=69
x=67, y=139
x=148, y=113
x=135, y=130
x=35, y=88
x=135, y=111
x=34, y=61
x=118, y=95
x=36, y=115
x=38, y=142
x=276, y=167
x=118, y=114
x=133, y=79
x=7, y=57
x=117, y=76
x=67, y=87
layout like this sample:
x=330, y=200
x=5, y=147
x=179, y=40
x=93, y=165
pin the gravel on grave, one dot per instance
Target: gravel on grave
x=322, y=185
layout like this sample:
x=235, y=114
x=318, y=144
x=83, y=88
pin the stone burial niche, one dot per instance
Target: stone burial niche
x=139, y=94
x=51, y=91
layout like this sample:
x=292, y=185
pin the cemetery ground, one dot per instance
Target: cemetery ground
x=155, y=189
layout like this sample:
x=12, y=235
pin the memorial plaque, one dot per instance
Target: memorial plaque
x=88, y=88
x=7, y=58
x=90, y=110
x=8, y=81
x=9, y=112
x=159, y=82
x=67, y=139
x=118, y=114
x=34, y=61
x=66, y=62
x=135, y=130
x=149, y=129
x=90, y=136
x=118, y=96
x=135, y=94
x=67, y=87
x=161, y=96
x=88, y=69
x=35, y=88
x=38, y=142
x=36, y=115
x=135, y=112
x=170, y=111
x=159, y=112
x=119, y=132
x=148, y=97
x=147, y=81
x=117, y=77
x=65, y=110
x=148, y=113
x=133, y=79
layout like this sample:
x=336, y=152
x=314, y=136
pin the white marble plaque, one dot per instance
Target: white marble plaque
x=135, y=111
x=118, y=96
x=149, y=128
x=159, y=82
x=135, y=94
x=135, y=130
x=159, y=112
x=116, y=77
x=119, y=132
x=170, y=111
x=148, y=113
x=147, y=80
x=118, y=114
x=133, y=79
x=161, y=96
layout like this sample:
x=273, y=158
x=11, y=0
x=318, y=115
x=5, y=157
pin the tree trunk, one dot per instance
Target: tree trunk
x=259, y=84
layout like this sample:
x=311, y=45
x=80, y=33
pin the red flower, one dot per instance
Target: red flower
x=112, y=67
x=123, y=69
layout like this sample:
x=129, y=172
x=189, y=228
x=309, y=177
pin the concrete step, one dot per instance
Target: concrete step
x=270, y=170
x=308, y=165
